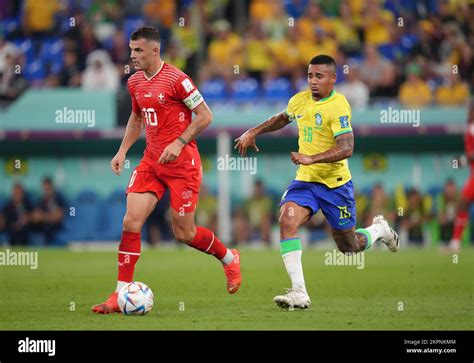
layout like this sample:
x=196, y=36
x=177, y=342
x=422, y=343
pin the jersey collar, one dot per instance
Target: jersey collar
x=323, y=99
x=158, y=71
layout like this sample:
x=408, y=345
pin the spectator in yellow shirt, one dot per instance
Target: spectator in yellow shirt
x=312, y=20
x=258, y=53
x=263, y=9
x=277, y=26
x=414, y=92
x=38, y=16
x=378, y=24
x=323, y=44
x=161, y=11
x=454, y=92
x=346, y=27
x=225, y=50
x=287, y=55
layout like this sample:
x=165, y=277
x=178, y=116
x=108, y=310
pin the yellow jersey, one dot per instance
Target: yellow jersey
x=319, y=123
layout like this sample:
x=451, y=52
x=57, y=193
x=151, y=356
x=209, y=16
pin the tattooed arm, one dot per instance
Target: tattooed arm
x=247, y=139
x=343, y=150
x=132, y=133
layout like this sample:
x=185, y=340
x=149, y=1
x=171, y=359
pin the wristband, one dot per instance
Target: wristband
x=182, y=140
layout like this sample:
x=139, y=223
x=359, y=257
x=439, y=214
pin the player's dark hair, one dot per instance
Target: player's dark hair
x=323, y=59
x=146, y=32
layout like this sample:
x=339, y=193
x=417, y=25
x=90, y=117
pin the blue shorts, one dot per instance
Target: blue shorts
x=337, y=204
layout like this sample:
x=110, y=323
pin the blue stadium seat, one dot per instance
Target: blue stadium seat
x=408, y=41
x=71, y=231
x=113, y=208
x=214, y=90
x=131, y=24
x=390, y=51
x=9, y=25
x=86, y=223
x=51, y=54
x=52, y=48
x=35, y=70
x=245, y=90
x=278, y=89
x=26, y=47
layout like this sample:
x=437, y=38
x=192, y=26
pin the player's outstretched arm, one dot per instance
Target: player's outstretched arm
x=132, y=133
x=247, y=139
x=343, y=150
x=202, y=120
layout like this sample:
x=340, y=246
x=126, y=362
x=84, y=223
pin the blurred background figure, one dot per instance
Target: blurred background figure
x=240, y=227
x=250, y=57
x=446, y=210
x=18, y=217
x=206, y=214
x=48, y=215
x=356, y=91
x=100, y=73
x=12, y=84
x=414, y=217
x=159, y=221
x=379, y=203
x=453, y=92
x=377, y=73
x=259, y=209
x=415, y=92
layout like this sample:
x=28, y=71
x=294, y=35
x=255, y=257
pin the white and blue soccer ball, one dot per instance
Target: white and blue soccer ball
x=135, y=298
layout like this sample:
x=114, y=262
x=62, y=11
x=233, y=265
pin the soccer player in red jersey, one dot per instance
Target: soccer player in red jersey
x=163, y=100
x=467, y=196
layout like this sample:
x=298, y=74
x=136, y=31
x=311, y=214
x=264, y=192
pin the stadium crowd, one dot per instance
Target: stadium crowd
x=44, y=219
x=419, y=51
x=247, y=49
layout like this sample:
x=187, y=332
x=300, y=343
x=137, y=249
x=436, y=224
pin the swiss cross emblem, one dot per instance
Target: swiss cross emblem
x=161, y=98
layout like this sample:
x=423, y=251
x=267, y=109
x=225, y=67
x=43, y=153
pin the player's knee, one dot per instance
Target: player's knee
x=132, y=223
x=288, y=224
x=183, y=235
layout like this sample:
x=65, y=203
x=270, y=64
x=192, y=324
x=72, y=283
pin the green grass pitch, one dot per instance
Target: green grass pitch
x=414, y=289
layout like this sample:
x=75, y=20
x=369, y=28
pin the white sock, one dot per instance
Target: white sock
x=120, y=284
x=372, y=233
x=294, y=267
x=376, y=231
x=228, y=258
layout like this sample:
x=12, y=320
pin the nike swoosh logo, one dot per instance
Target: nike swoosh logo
x=299, y=116
x=342, y=223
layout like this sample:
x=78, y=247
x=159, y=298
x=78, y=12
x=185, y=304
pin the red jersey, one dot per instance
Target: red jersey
x=165, y=101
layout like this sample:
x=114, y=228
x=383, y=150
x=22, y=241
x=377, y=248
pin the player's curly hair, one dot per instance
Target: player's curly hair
x=146, y=32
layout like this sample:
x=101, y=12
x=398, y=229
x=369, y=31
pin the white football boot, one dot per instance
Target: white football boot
x=390, y=238
x=293, y=299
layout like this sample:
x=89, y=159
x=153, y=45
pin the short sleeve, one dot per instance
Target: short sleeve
x=135, y=107
x=188, y=92
x=341, y=122
x=290, y=109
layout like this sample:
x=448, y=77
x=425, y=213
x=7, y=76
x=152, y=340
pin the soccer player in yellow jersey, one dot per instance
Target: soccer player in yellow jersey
x=323, y=180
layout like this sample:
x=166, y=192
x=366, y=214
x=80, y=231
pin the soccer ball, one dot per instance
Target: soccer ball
x=135, y=298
